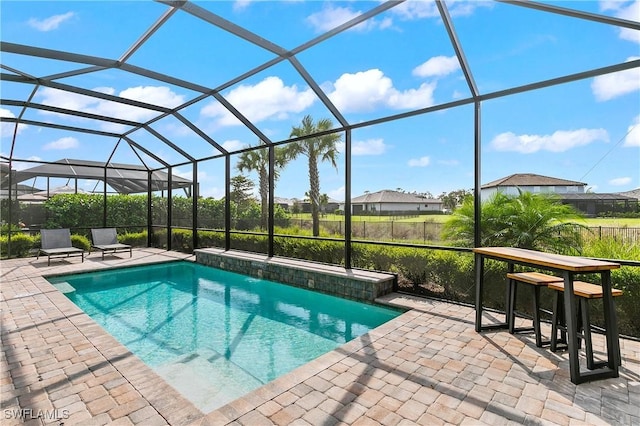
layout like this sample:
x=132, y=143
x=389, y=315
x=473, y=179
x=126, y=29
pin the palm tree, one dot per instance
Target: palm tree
x=533, y=221
x=315, y=148
x=258, y=160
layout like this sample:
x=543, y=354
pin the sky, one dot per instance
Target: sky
x=399, y=61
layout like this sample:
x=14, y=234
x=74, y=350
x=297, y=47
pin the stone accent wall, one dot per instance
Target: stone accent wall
x=353, y=284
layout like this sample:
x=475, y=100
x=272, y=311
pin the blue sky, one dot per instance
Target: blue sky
x=401, y=60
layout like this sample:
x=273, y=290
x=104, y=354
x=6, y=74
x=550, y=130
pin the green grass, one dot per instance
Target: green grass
x=441, y=218
x=614, y=222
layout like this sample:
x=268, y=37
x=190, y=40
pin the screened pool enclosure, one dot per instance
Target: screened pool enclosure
x=424, y=96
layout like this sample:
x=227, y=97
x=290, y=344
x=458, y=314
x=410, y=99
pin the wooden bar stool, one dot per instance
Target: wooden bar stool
x=584, y=292
x=536, y=280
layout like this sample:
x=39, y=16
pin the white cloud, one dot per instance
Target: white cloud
x=437, y=66
x=559, y=141
x=19, y=165
x=337, y=194
x=459, y=95
x=368, y=147
x=233, y=145
x=620, y=181
x=410, y=10
x=332, y=16
x=213, y=192
x=419, y=162
x=188, y=174
x=629, y=10
x=240, y=5
x=420, y=9
x=50, y=23
x=413, y=98
x=156, y=95
x=62, y=143
x=609, y=86
x=7, y=129
x=368, y=90
x=269, y=99
x=609, y=5
x=633, y=135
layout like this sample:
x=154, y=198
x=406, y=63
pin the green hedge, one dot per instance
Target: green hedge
x=23, y=245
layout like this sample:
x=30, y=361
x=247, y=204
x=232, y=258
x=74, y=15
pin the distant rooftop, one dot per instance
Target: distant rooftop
x=390, y=196
x=530, y=179
x=634, y=193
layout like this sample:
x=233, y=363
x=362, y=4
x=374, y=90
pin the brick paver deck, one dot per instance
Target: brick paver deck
x=428, y=366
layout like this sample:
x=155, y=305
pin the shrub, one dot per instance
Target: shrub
x=626, y=278
x=21, y=245
x=135, y=239
x=210, y=239
x=369, y=256
x=80, y=241
x=454, y=273
x=182, y=240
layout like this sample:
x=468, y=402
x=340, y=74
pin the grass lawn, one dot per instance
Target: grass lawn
x=614, y=222
x=441, y=218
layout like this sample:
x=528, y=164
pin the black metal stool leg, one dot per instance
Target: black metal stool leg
x=586, y=325
x=536, y=317
x=554, y=323
x=558, y=323
x=511, y=309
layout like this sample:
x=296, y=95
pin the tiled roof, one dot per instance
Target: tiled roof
x=389, y=196
x=634, y=193
x=530, y=179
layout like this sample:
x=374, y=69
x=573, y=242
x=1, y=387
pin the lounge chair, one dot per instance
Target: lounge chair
x=57, y=242
x=106, y=240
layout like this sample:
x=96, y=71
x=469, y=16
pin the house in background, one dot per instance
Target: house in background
x=570, y=192
x=529, y=182
x=388, y=202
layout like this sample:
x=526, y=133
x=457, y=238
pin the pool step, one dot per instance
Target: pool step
x=207, y=379
x=65, y=288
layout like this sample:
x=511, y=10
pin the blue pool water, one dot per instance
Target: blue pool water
x=216, y=335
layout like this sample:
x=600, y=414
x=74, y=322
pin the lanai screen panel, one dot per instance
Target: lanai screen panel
x=520, y=68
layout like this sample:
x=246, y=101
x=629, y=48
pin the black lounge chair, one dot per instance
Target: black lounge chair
x=57, y=242
x=106, y=240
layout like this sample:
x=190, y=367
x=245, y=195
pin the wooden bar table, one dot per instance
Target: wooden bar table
x=567, y=266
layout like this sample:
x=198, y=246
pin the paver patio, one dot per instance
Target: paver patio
x=428, y=366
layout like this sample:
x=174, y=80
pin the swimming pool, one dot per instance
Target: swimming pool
x=216, y=335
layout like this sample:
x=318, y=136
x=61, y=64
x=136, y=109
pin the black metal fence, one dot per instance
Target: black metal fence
x=430, y=232
x=623, y=234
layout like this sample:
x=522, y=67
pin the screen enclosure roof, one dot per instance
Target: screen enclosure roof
x=190, y=81
x=123, y=178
